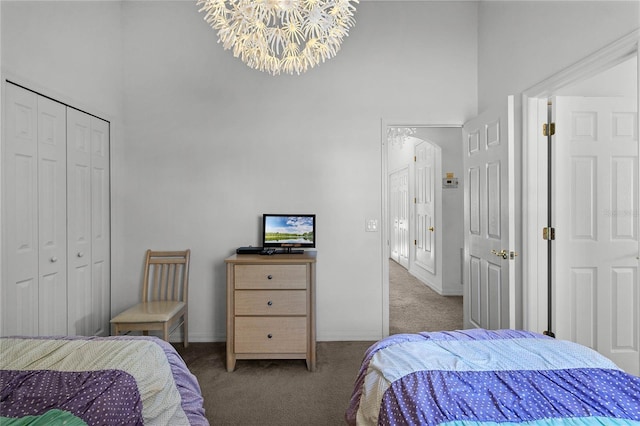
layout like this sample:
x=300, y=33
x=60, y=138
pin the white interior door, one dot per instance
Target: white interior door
x=55, y=222
x=399, y=208
x=596, y=279
x=100, y=227
x=20, y=204
x=79, y=222
x=489, y=219
x=394, y=239
x=425, y=204
x=34, y=222
x=52, y=217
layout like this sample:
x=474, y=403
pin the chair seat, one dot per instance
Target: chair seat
x=156, y=311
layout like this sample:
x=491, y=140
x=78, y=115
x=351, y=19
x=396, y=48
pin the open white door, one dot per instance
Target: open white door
x=424, y=204
x=596, y=277
x=489, y=219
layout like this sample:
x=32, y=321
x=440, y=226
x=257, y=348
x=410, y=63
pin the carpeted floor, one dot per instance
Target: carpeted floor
x=414, y=307
x=276, y=392
x=283, y=392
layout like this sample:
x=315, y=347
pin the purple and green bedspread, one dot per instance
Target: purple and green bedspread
x=481, y=377
x=96, y=381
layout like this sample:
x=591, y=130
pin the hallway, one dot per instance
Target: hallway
x=414, y=307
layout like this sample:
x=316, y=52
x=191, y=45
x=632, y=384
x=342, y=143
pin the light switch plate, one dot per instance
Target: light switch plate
x=371, y=225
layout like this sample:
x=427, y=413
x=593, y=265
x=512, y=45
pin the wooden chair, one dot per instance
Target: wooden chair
x=164, y=296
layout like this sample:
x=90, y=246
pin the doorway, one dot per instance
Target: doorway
x=418, y=210
x=599, y=297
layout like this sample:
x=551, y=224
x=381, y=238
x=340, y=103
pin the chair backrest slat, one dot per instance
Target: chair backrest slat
x=175, y=280
x=166, y=275
x=163, y=282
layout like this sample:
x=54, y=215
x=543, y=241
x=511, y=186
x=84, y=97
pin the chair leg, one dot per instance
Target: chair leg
x=165, y=331
x=186, y=331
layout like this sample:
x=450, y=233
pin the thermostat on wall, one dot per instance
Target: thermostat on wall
x=450, y=181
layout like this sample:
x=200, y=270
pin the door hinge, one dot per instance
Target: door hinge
x=415, y=242
x=415, y=200
x=415, y=158
x=548, y=233
x=549, y=129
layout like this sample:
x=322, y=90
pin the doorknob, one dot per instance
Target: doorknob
x=505, y=254
x=431, y=228
x=502, y=253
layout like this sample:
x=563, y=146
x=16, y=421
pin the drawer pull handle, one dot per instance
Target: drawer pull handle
x=269, y=335
x=270, y=303
x=269, y=277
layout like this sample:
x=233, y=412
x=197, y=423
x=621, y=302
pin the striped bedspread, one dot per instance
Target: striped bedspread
x=481, y=377
x=96, y=381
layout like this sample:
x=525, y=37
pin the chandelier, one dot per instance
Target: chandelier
x=280, y=36
x=397, y=136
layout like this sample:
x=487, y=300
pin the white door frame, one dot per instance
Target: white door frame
x=384, y=208
x=533, y=192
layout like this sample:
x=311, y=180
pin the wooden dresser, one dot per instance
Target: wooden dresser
x=271, y=307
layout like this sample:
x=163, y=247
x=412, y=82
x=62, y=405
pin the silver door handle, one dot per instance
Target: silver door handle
x=80, y=253
x=54, y=259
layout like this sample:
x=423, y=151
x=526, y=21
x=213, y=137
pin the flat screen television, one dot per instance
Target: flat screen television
x=288, y=231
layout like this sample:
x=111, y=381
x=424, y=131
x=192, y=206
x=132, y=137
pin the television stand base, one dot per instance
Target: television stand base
x=289, y=250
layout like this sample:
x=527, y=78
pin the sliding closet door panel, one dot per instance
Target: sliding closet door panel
x=52, y=217
x=100, y=254
x=79, y=222
x=20, y=218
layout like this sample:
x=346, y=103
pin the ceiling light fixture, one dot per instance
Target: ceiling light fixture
x=397, y=136
x=280, y=36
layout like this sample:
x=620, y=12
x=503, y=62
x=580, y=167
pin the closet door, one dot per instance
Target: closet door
x=34, y=220
x=52, y=218
x=88, y=223
x=55, y=222
x=100, y=226
x=20, y=218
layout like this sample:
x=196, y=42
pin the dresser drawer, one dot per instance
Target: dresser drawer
x=270, y=276
x=271, y=302
x=270, y=335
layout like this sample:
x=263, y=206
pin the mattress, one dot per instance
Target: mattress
x=123, y=380
x=482, y=377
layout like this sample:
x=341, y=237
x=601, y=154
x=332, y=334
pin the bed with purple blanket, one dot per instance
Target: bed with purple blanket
x=480, y=377
x=76, y=380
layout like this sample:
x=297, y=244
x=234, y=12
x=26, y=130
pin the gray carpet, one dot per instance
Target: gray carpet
x=414, y=307
x=283, y=392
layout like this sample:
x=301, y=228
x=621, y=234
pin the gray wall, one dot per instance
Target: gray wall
x=202, y=145
x=227, y=143
x=521, y=43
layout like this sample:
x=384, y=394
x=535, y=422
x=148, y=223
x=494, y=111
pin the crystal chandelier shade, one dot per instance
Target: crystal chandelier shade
x=280, y=36
x=397, y=136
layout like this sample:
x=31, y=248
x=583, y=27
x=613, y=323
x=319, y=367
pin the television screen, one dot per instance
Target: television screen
x=288, y=230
